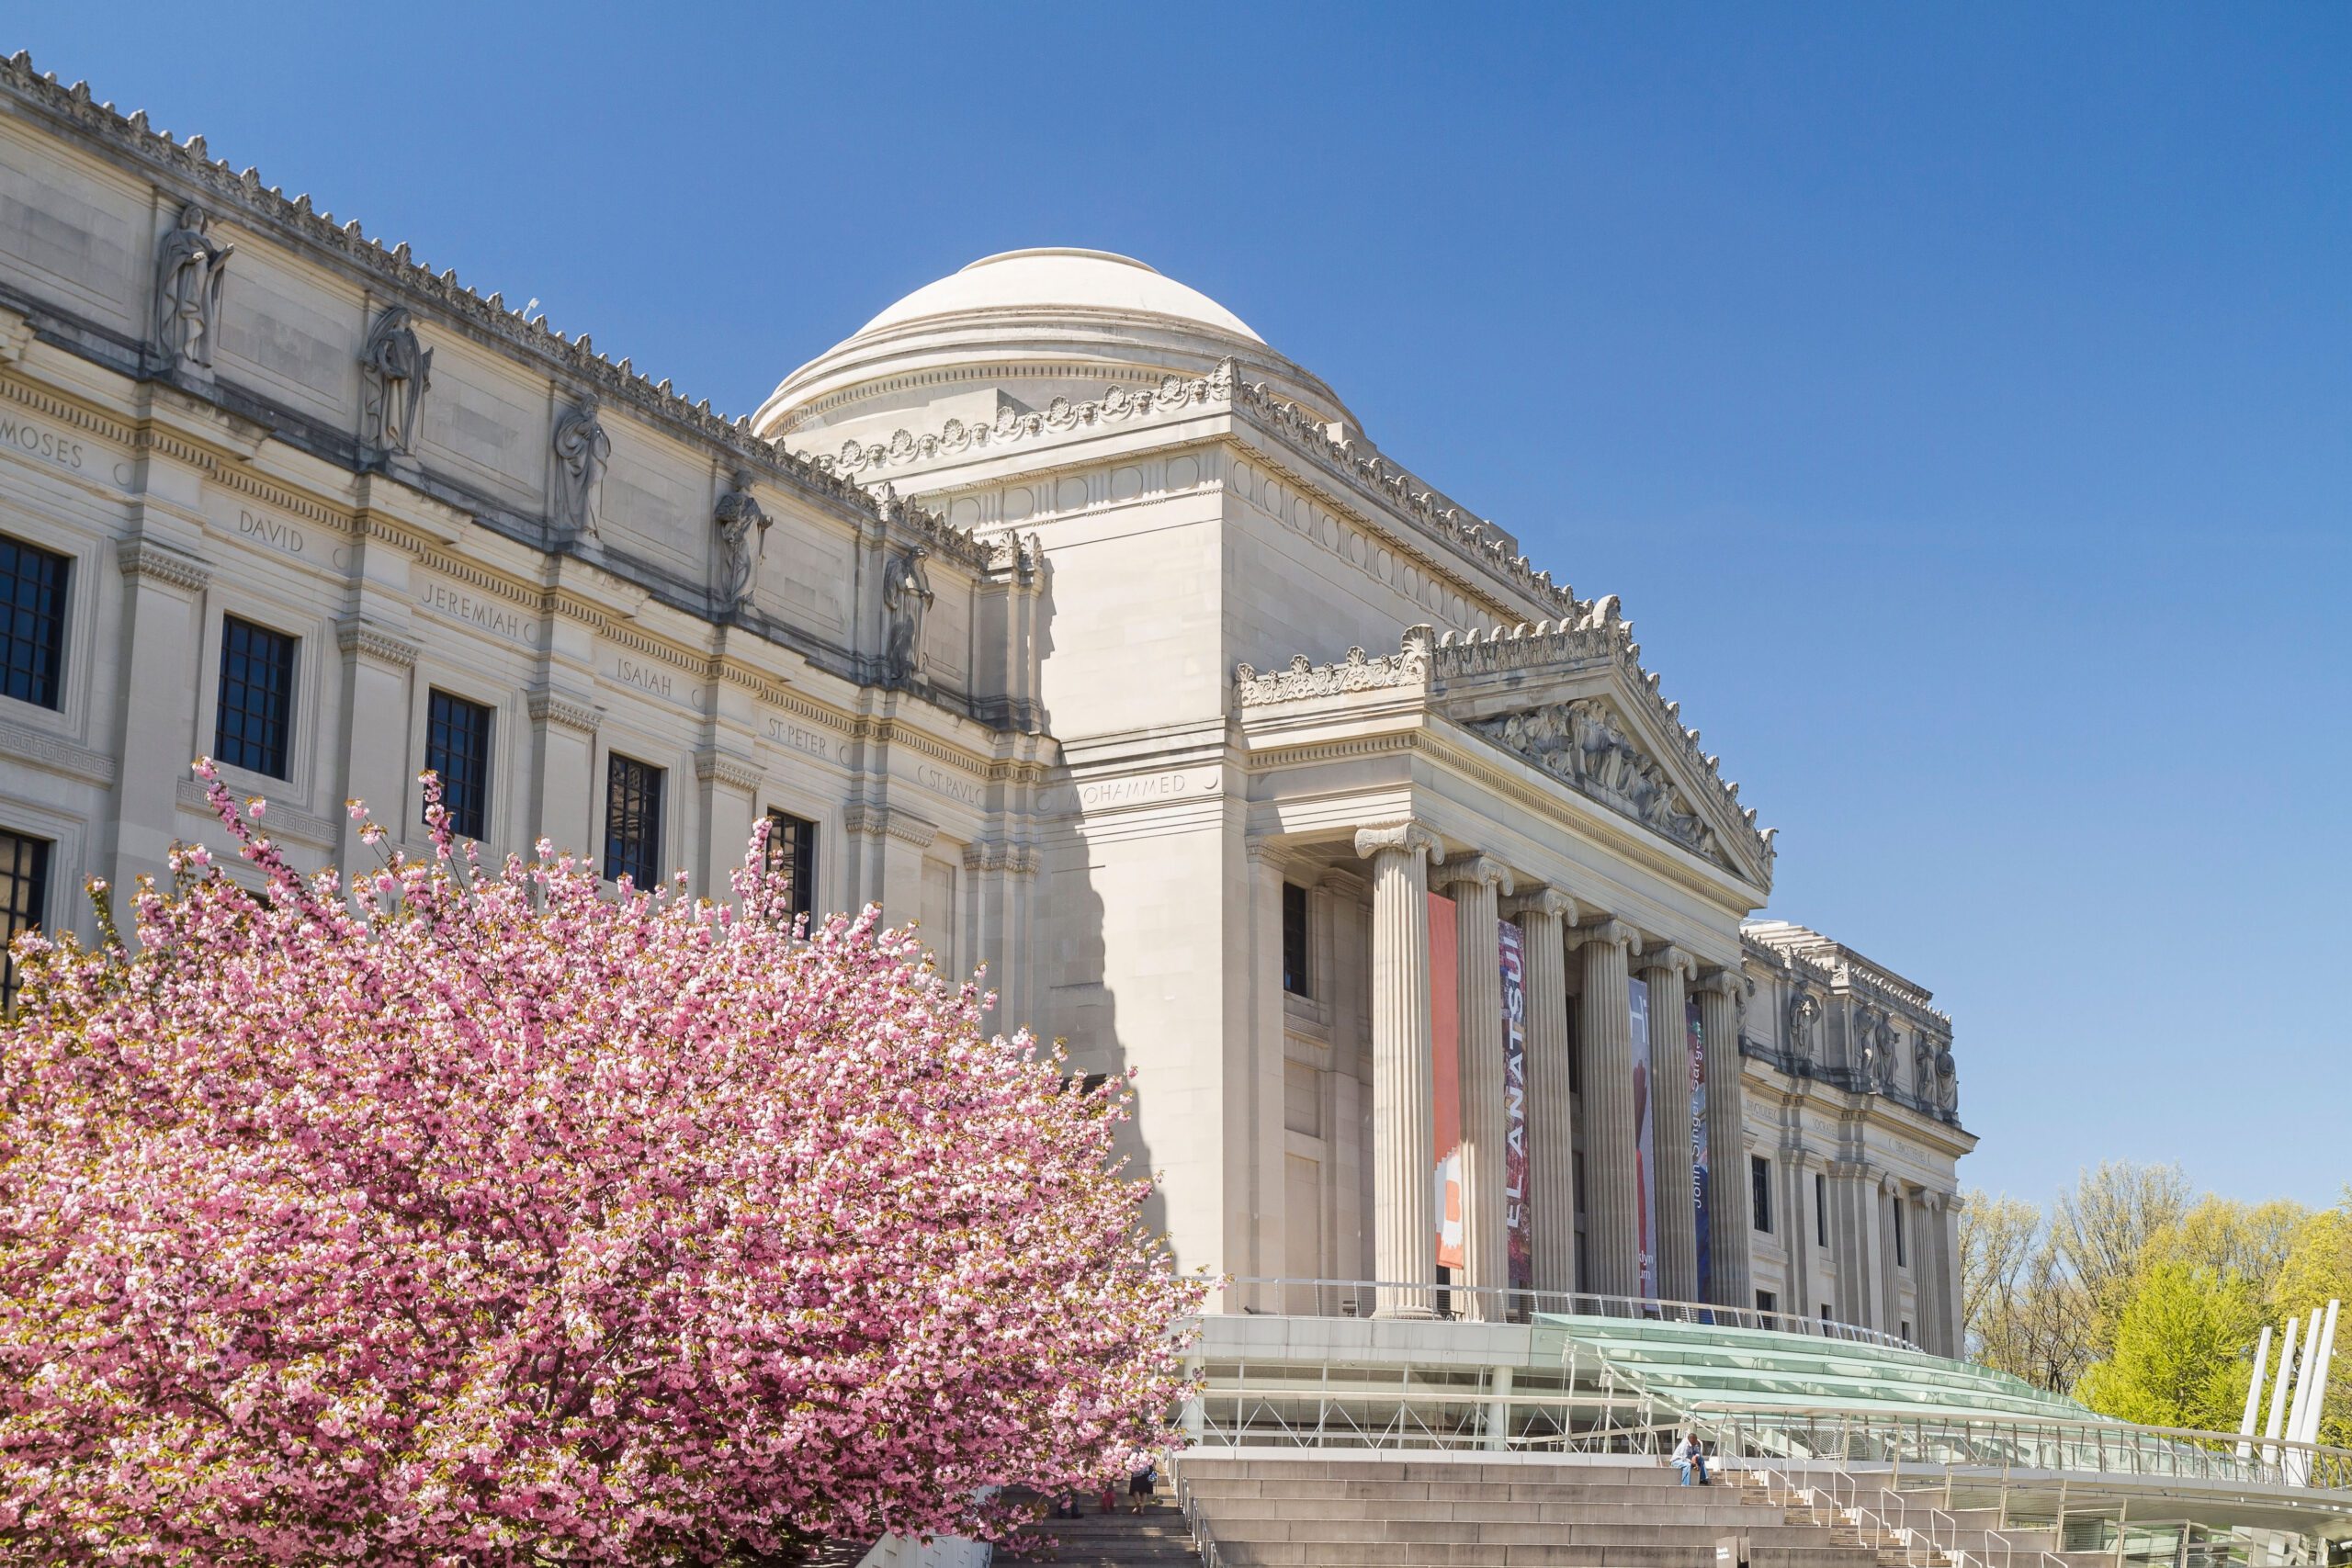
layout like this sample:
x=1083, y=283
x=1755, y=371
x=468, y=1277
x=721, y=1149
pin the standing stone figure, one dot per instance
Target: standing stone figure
x=739, y=512
x=582, y=451
x=188, y=274
x=906, y=595
x=398, y=370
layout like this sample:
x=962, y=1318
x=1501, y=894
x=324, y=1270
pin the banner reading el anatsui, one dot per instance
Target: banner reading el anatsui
x=1515, y=1214
x=1645, y=1145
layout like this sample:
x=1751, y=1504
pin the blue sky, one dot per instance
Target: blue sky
x=1960, y=399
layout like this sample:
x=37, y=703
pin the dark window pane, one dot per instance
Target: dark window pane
x=1820, y=1209
x=632, y=821
x=456, y=746
x=1295, y=975
x=1760, y=1177
x=24, y=895
x=32, y=621
x=257, y=716
x=792, y=854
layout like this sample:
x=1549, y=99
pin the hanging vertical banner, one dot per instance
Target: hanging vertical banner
x=1645, y=1145
x=1445, y=1039
x=1515, y=1216
x=1699, y=1175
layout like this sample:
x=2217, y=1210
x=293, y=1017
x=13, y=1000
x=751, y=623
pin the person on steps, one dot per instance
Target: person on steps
x=1140, y=1486
x=1690, y=1459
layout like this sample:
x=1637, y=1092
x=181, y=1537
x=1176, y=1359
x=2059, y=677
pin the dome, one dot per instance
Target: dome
x=1015, y=330
x=1054, y=276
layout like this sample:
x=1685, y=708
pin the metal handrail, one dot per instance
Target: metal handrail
x=1494, y=1304
x=2057, y=1443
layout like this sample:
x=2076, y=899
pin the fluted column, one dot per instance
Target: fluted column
x=1473, y=882
x=1731, y=1218
x=1404, y=1081
x=1668, y=969
x=1551, y=1105
x=1605, y=1024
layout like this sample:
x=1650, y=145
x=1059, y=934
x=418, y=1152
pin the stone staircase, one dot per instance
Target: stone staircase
x=1326, y=1512
x=1913, y=1527
x=1157, y=1537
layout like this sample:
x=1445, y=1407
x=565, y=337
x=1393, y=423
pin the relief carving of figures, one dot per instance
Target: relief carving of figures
x=1582, y=743
x=907, y=597
x=190, y=271
x=1883, y=1053
x=737, y=514
x=397, y=370
x=582, y=452
x=1804, y=1009
x=1862, y=1046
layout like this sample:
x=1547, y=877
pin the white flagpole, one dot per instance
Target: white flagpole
x=2302, y=1387
x=2319, y=1374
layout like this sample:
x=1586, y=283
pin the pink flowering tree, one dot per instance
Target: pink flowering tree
x=467, y=1215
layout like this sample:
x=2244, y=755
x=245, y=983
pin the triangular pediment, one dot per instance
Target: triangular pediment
x=1574, y=701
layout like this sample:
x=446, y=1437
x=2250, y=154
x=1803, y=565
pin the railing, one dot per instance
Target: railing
x=1937, y=1536
x=1196, y=1523
x=2085, y=1447
x=1467, y=1304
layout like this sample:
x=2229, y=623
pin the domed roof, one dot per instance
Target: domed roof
x=1054, y=276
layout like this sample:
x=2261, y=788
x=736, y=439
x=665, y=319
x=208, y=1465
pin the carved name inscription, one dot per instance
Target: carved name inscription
x=495, y=616
x=34, y=441
x=933, y=777
x=814, y=742
x=649, y=678
x=274, y=531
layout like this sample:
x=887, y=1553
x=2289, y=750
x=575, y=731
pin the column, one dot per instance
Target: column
x=1404, y=1083
x=155, y=737
x=728, y=788
x=1605, y=1024
x=1486, y=1241
x=1948, y=1298
x=1550, y=1108
x=563, y=757
x=1731, y=1220
x=1668, y=969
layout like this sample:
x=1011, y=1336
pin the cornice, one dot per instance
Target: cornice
x=710, y=767
x=145, y=557
x=374, y=642
x=547, y=708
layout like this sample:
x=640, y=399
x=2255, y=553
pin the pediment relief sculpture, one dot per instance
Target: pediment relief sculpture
x=1583, y=744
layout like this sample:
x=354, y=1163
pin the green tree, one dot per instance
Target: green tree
x=2318, y=1270
x=2181, y=1348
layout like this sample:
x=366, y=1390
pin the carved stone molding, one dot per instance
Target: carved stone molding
x=1117, y=406
x=23, y=744
x=1017, y=860
x=373, y=642
x=1541, y=901
x=711, y=767
x=144, y=557
x=1406, y=838
x=1667, y=956
x=548, y=708
x=867, y=820
x=1607, y=928
x=1478, y=869
x=1408, y=667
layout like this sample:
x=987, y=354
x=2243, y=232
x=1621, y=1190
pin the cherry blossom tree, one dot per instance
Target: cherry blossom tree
x=465, y=1214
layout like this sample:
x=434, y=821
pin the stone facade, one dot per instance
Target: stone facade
x=1039, y=607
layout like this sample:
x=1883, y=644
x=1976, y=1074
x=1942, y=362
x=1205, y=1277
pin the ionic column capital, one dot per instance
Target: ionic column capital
x=1478, y=870
x=1399, y=838
x=1542, y=902
x=1666, y=955
x=1726, y=983
x=1609, y=930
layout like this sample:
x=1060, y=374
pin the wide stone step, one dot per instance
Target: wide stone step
x=1230, y=1532
x=1694, y=1511
x=1484, y=1554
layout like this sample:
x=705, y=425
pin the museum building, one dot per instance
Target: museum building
x=1054, y=610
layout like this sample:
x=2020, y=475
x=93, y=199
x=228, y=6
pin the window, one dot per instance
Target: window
x=632, y=820
x=256, y=713
x=1900, y=1260
x=792, y=854
x=1905, y=1335
x=1820, y=1209
x=24, y=895
x=32, y=635
x=1760, y=1191
x=1768, y=1304
x=1824, y=1313
x=456, y=746
x=1294, y=979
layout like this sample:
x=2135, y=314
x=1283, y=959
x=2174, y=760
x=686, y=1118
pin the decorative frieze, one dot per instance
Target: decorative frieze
x=1117, y=406
x=1582, y=744
x=1408, y=667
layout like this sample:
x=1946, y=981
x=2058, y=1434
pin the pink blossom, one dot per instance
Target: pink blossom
x=442, y=1215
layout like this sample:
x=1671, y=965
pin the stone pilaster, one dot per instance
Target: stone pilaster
x=1404, y=1084
x=378, y=665
x=1612, y=1219
x=156, y=738
x=1890, y=1278
x=1667, y=970
x=1472, y=883
x=1551, y=1106
x=1731, y=1219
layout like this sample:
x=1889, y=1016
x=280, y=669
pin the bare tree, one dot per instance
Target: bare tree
x=2024, y=1312
x=2102, y=1229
